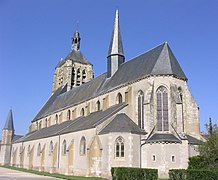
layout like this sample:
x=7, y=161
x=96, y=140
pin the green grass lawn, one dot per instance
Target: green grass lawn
x=61, y=176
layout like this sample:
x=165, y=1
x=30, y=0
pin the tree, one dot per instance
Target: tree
x=211, y=128
x=209, y=151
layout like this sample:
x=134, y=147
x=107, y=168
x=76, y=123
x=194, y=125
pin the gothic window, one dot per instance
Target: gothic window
x=40, y=124
x=162, y=109
x=51, y=148
x=119, y=98
x=56, y=119
x=46, y=122
x=64, y=148
x=82, y=112
x=140, y=109
x=37, y=125
x=98, y=106
x=28, y=151
x=119, y=147
x=39, y=150
x=83, y=146
x=68, y=115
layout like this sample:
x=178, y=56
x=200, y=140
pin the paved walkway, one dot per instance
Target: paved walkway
x=12, y=174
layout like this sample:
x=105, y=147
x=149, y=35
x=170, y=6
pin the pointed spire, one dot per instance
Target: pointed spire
x=9, y=124
x=76, y=41
x=116, y=46
x=115, y=53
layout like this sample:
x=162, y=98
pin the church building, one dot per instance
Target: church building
x=140, y=113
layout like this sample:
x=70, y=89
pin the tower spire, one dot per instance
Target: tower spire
x=9, y=124
x=115, y=53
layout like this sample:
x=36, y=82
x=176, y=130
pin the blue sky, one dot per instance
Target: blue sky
x=35, y=34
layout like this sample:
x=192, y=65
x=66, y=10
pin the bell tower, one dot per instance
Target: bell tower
x=7, y=136
x=74, y=70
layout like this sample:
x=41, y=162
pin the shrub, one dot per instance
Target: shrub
x=125, y=173
x=177, y=174
x=197, y=162
x=193, y=174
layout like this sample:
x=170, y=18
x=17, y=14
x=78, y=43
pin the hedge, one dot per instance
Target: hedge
x=193, y=174
x=126, y=173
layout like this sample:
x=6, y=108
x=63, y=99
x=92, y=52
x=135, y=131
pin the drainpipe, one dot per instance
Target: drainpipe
x=59, y=151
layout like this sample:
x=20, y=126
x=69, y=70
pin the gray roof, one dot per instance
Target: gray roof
x=192, y=140
x=16, y=137
x=158, y=61
x=75, y=56
x=9, y=124
x=122, y=123
x=163, y=137
x=79, y=124
x=116, y=46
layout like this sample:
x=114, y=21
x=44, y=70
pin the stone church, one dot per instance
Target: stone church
x=140, y=113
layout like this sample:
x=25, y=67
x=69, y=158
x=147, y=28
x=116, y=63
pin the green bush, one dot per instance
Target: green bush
x=193, y=174
x=125, y=173
x=197, y=162
x=177, y=174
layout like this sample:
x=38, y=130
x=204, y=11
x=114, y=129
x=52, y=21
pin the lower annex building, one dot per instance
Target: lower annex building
x=140, y=113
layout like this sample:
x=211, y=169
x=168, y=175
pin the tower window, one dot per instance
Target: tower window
x=140, y=109
x=119, y=147
x=162, y=109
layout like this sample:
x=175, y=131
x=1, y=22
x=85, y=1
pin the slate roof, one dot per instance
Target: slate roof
x=75, y=56
x=163, y=137
x=116, y=46
x=79, y=124
x=16, y=137
x=157, y=61
x=9, y=124
x=192, y=140
x=122, y=123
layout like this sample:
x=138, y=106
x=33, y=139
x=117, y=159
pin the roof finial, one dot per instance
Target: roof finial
x=77, y=26
x=76, y=41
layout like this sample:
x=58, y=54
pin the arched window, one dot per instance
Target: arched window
x=119, y=98
x=56, y=119
x=98, y=106
x=181, y=99
x=28, y=151
x=119, y=147
x=141, y=109
x=68, y=115
x=51, y=148
x=39, y=150
x=83, y=146
x=37, y=125
x=82, y=112
x=83, y=75
x=162, y=109
x=46, y=122
x=40, y=124
x=64, y=148
x=21, y=149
